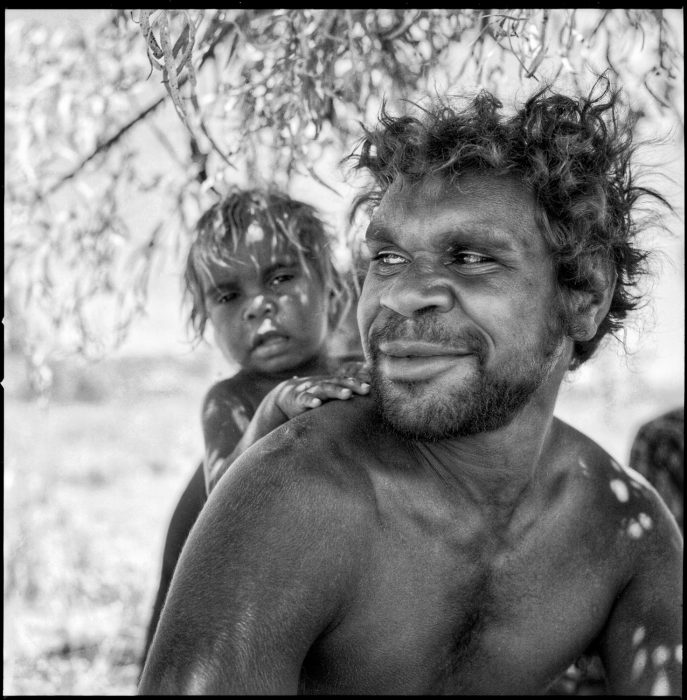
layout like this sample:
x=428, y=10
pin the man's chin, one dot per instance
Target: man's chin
x=424, y=412
x=411, y=409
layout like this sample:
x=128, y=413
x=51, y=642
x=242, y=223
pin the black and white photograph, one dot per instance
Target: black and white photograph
x=344, y=352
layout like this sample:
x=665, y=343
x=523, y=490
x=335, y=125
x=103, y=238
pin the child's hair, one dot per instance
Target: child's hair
x=289, y=223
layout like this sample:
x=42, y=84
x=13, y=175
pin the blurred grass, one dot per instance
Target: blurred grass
x=91, y=479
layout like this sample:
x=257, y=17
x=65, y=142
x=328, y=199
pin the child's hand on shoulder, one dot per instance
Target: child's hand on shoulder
x=356, y=369
x=297, y=395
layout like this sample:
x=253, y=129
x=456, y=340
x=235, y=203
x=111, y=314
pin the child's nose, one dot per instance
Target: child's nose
x=259, y=307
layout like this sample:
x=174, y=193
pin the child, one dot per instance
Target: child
x=260, y=270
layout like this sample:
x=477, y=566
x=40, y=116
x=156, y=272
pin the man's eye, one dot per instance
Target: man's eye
x=389, y=259
x=469, y=258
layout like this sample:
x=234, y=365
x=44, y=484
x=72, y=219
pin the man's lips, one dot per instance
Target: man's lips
x=419, y=348
x=417, y=360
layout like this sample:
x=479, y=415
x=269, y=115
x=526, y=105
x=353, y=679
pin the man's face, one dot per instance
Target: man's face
x=458, y=312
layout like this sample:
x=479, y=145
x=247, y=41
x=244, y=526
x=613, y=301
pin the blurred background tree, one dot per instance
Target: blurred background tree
x=116, y=134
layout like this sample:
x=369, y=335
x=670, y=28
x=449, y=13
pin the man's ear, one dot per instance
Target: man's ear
x=590, y=307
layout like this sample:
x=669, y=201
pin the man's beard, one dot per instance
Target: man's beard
x=486, y=401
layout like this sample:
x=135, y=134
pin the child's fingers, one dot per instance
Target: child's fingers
x=358, y=384
x=359, y=370
x=342, y=388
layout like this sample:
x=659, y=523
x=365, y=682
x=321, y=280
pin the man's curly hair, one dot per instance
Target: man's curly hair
x=289, y=225
x=575, y=155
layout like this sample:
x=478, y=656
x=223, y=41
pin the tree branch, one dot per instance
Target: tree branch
x=101, y=148
x=105, y=146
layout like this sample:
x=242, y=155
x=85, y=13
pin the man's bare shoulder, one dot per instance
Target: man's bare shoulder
x=338, y=438
x=322, y=456
x=613, y=494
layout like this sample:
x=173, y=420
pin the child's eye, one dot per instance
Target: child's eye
x=281, y=279
x=225, y=297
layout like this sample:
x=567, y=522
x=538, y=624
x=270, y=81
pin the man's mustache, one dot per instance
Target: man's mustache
x=427, y=329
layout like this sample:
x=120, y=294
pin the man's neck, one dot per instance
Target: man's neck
x=497, y=469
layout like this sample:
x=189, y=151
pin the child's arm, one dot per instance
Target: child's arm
x=288, y=399
x=226, y=415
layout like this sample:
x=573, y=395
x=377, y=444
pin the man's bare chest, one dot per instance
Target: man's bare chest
x=440, y=612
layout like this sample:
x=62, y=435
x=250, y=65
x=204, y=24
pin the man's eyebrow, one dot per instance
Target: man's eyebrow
x=378, y=233
x=477, y=233
x=472, y=233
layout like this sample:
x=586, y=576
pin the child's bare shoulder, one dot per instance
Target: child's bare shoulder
x=239, y=389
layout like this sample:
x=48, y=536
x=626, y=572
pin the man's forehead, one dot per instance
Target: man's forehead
x=474, y=208
x=474, y=190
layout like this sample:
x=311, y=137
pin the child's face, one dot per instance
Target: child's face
x=268, y=314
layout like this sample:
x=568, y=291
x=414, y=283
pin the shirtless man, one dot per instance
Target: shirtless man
x=447, y=534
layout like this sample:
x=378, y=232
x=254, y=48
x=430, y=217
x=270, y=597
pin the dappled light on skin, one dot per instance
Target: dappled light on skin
x=661, y=685
x=254, y=234
x=645, y=521
x=654, y=662
x=583, y=466
x=638, y=636
x=678, y=653
x=639, y=663
x=620, y=490
x=213, y=465
x=237, y=413
x=660, y=655
x=636, y=527
x=211, y=409
x=266, y=326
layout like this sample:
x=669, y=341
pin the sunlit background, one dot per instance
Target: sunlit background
x=93, y=471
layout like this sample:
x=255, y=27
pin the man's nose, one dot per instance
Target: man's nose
x=259, y=307
x=416, y=291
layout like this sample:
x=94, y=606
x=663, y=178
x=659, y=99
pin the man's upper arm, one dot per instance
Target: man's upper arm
x=265, y=571
x=641, y=646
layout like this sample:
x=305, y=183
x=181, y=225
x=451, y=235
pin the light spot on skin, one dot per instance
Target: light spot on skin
x=660, y=655
x=583, y=466
x=254, y=234
x=266, y=326
x=210, y=409
x=645, y=521
x=661, y=685
x=616, y=466
x=635, y=530
x=240, y=417
x=639, y=664
x=678, y=653
x=638, y=636
x=620, y=490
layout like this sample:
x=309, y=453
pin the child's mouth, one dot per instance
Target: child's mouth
x=269, y=343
